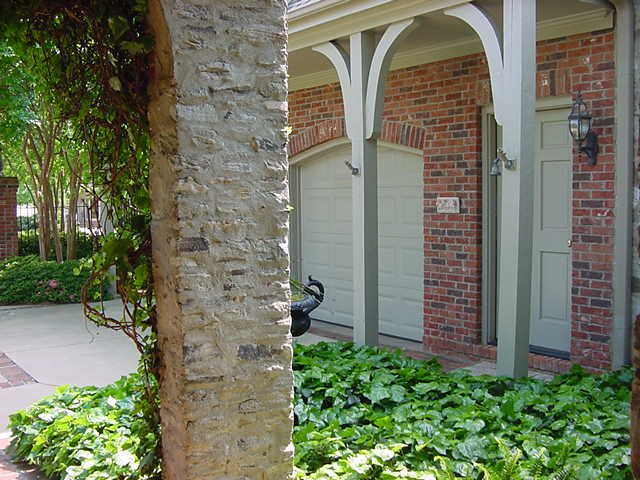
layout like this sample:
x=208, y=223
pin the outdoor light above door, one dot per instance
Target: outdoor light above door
x=580, y=128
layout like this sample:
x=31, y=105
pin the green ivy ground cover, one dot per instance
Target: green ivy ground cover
x=363, y=413
x=412, y=417
x=89, y=433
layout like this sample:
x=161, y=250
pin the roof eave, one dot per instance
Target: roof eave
x=312, y=8
x=327, y=20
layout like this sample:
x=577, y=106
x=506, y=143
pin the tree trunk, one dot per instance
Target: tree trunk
x=635, y=404
x=75, y=176
x=38, y=152
x=53, y=224
x=44, y=233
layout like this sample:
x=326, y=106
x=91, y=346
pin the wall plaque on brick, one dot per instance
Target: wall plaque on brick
x=448, y=205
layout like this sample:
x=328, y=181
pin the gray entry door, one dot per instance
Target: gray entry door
x=550, y=328
x=551, y=281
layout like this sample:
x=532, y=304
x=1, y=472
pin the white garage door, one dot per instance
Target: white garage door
x=325, y=207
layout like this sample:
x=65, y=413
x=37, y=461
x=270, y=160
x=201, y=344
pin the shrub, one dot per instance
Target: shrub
x=364, y=413
x=28, y=280
x=28, y=245
x=26, y=223
x=89, y=433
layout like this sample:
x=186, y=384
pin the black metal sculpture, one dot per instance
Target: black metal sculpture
x=300, y=309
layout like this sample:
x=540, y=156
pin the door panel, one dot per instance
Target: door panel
x=327, y=238
x=550, y=327
x=550, y=293
x=325, y=207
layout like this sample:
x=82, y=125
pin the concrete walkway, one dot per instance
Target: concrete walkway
x=42, y=347
x=53, y=345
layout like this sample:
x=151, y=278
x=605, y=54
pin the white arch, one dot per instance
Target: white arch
x=378, y=73
x=484, y=26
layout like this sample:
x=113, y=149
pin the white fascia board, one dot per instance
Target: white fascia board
x=547, y=30
x=344, y=18
x=317, y=9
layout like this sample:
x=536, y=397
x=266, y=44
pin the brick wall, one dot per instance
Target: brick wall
x=8, y=220
x=445, y=99
x=590, y=69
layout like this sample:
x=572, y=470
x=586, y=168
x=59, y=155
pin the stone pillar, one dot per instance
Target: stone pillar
x=220, y=222
x=8, y=217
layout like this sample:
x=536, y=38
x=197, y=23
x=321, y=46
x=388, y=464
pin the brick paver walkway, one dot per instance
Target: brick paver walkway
x=11, y=375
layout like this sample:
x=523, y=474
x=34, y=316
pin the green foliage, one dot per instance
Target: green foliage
x=363, y=414
x=28, y=245
x=26, y=223
x=15, y=97
x=27, y=280
x=89, y=61
x=297, y=290
x=89, y=433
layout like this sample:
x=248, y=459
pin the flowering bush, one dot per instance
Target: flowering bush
x=26, y=280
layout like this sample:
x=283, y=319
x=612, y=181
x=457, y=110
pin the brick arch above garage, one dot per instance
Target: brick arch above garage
x=397, y=133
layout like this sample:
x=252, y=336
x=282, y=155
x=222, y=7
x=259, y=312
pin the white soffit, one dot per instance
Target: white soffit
x=599, y=19
x=330, y=19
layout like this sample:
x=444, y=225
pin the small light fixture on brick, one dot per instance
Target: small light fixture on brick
x=496, y=167
x=500, y=160
x=580, y=128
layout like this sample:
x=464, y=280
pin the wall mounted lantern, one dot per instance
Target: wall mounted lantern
x=580, y=128
x=500, y=160
x=355, y=171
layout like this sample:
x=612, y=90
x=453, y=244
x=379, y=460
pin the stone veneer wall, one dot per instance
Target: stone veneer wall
x=8, y=219
x=220, y=223
x=445, y=100
x=635, y=285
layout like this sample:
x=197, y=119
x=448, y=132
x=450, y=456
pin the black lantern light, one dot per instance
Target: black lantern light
x=580, y=128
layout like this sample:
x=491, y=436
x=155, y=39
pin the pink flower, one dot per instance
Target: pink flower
x=53, y=284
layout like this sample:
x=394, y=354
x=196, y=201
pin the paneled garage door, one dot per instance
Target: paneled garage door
x=326, y=253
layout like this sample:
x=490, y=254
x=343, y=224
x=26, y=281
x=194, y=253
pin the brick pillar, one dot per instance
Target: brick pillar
x=8, y=217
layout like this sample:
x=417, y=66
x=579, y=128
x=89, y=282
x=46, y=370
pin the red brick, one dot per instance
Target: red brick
x=436, y=108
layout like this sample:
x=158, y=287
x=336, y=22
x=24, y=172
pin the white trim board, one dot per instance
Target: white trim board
x=315, y=25
x=558, y=27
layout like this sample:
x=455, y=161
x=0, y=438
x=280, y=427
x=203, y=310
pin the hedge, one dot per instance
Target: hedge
x=28, y=280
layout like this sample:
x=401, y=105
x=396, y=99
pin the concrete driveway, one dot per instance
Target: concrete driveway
x=48, y=346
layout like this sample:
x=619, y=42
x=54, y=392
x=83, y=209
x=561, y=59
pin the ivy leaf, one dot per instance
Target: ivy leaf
x=134, y=48
x=378, y=392
x=471, y=449
x=118, y=26
x=398, y=393
x=115, y=84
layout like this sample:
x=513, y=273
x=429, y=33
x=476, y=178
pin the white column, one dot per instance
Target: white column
x=364, y=192
x=512, y=67
x=516, y=246
x=362, y=73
